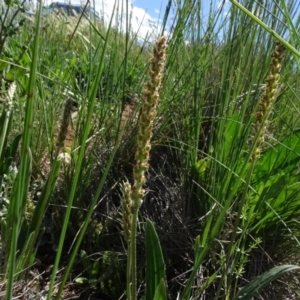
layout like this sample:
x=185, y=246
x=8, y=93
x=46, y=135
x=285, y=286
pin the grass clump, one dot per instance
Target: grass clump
x=196, y=172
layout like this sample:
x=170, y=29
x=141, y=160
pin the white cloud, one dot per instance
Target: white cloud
x=156, y=11
x=141, y=22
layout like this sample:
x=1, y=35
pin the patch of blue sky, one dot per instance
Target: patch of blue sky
x=146, y=15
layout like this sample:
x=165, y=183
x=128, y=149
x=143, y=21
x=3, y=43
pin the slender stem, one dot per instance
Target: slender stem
x=132, y=259
x=266, y=27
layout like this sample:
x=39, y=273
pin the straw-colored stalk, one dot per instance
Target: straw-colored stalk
x=133, y=196
x=267, y=101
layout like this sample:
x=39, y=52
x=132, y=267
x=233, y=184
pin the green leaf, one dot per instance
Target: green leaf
x=4, y=63
x=155, y=266
x=81, y=280
x=233, y=127
x=201, y=166
x=285, y=156
x=95, y=269
x=42, y=204
x=73, y=62
x=86, y=262
x=93, y=282
x=9, y=155
x=14, y=74
x=197, y=245
x=261, y=281
x=13, y=147
x=161, y=291
x=26, y=254
x=276, y=182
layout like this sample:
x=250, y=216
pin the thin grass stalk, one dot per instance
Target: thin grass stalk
x=266, y=27
x=134, y=197
x=7, y=113
x=127, y=221
x=265, y=107
x=90, y=111
x=38, y=215
x=20, y=188
x=86, y=222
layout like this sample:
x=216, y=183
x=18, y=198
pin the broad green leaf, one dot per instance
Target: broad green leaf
x=277, y=194
x=233, y=127
x=256, y=285
x=286, y=205
x=275, y=180
x=155, y=266
x=285, y=156
x=161, y=291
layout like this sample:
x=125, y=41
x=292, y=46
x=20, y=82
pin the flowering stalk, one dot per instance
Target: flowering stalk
x=267, y=101
x=133, y=198
x=259, y=129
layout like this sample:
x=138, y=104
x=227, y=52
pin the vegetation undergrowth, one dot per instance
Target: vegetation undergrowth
x=156, y=167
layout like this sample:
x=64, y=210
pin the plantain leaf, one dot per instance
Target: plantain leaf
x=261, y=281
x=233, y=127
x=285, y=156
x=161, y=291
x=155, y=265
x=276, y=182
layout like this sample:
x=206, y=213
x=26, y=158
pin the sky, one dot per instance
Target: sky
x=153, y=7
x=147, y=15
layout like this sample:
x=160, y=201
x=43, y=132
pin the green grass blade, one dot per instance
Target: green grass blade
x=85, y=224
x=90, y=112
x=44, y=198
x=266, y=27
x=21, y=184
x=155, y=265
x=27, y=255
x=256, y=285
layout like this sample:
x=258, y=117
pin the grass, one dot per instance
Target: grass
x=220, y=211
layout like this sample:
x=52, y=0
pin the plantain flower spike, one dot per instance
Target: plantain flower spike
x=267, y=101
